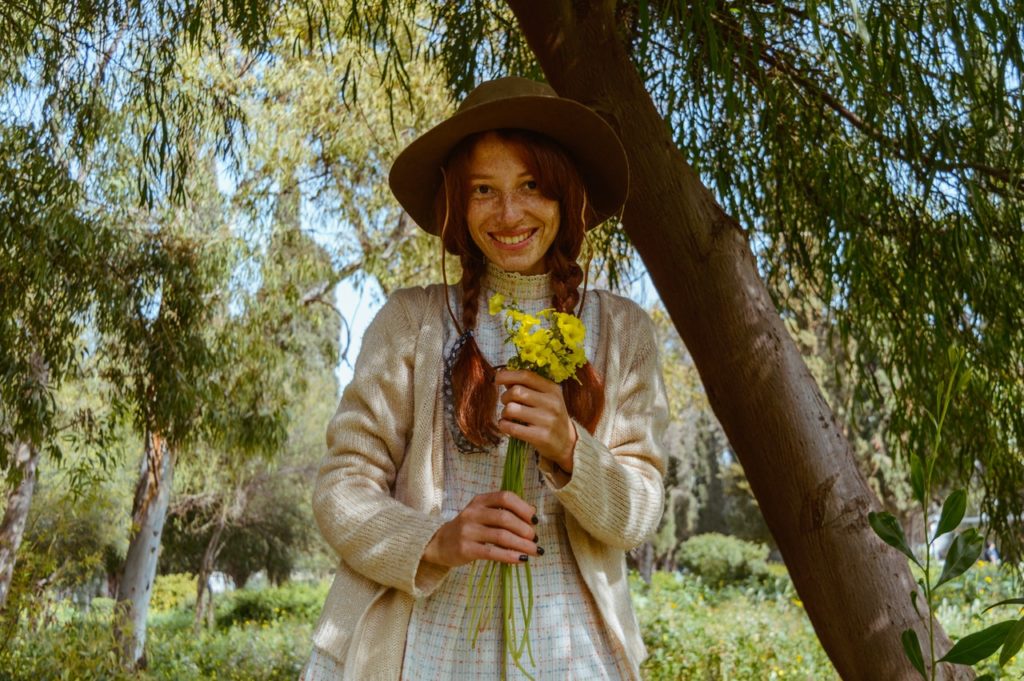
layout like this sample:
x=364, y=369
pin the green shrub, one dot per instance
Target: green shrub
x=291, y=600
x=173, y=592
x=721, y=560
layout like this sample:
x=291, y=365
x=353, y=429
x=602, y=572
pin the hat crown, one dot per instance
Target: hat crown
x=505, y=88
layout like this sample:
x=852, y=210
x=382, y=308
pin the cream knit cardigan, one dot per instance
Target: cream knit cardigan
x=379, y=491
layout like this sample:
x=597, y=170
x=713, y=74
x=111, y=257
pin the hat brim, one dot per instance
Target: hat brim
x=591, y=143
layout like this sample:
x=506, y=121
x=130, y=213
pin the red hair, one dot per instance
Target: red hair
x=474, y=392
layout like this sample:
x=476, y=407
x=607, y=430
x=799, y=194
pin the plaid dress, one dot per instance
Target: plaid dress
x=567, y=635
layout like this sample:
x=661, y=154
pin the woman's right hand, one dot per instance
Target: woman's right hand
x=494, y=526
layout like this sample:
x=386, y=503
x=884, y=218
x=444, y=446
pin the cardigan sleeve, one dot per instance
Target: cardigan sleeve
x=375, y=534
x=615, y=491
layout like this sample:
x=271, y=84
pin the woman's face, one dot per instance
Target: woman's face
x=509, y=219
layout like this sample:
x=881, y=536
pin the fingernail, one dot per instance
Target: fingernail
x=540, y=551
x=524, y=558
x=535, y=537
x=534, y=520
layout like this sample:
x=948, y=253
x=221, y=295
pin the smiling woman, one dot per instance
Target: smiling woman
x=408, y=495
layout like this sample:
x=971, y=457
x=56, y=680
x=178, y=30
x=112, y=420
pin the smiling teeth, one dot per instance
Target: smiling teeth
x=511, y=240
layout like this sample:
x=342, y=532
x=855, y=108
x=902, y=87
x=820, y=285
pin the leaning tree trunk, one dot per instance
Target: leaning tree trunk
x=855, y=588
x=149, y=511
x=213, y=547
x=19, y=499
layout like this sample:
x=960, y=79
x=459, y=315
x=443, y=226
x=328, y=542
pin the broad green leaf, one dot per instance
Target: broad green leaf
x=1008, y=601
x=912, y=647
x=952, y=513
x=986, y=677
x=963, y=553
x=1013, y=642
x=974, y=648
x=888, y=530
x=917, y=478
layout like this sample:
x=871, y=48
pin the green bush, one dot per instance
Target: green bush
x=720, y=560
x=173, y=592
x=291, y=600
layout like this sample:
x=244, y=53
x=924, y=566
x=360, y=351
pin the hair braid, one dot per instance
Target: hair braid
x=473, y=389
x=584, y=399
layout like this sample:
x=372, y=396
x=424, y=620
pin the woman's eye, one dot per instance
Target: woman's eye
x=481, y=189
x=531, y=184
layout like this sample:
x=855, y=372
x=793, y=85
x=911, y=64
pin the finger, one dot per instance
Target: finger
x=496, y=553
x=509, y=501
x=499, y=519
x=538, y=417
x=509, y=541
x=529, y=379
x=522, y=394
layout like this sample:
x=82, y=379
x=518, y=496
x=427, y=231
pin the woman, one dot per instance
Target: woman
x=406, y=495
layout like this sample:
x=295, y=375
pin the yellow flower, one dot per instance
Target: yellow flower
x=572, y=329
x=495, y=304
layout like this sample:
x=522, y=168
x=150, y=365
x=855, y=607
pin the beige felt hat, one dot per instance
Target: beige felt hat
x=527, y=105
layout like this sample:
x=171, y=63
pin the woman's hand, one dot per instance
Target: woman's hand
x=494, y=526
x=535, y=412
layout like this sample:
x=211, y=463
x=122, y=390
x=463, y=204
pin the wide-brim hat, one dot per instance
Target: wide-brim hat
x=527, y=105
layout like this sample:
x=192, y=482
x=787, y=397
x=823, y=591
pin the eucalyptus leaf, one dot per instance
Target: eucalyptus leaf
x=1013, y=642
x=912, y=647
x=889, y=530
x=952, y=513
x=974, y=648
x=963, y=553
x=917, y=478
x=1008, y=601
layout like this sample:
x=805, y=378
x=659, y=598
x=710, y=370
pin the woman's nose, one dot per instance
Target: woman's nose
x=510, y=209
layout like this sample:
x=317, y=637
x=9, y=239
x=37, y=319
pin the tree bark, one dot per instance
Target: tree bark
x=206, y=565
x=814, y=499
x=149, y=511
x=19, y=499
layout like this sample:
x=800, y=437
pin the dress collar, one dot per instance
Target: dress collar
x=519, y=287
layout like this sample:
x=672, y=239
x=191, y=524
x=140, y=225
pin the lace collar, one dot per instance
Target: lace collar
x=520, y=287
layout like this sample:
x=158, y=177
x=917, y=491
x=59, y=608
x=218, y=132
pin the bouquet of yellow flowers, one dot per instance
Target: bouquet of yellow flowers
x=551, y=345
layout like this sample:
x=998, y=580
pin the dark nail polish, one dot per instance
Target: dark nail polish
x=534, y=520
x=540, y=551
x=535, y=537
x=524, y=558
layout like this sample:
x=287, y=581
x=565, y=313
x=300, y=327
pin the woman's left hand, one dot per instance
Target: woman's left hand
x=535, y=412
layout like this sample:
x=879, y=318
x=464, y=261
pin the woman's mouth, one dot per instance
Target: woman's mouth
x=513, y=239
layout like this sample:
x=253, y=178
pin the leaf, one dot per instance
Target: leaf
x=976, y=647
x=1008, y=601
x=1013, y=642
x=917, y=478
x=913, y=601
x=952, y=513
x=963, y=553
x=986, y=677
x=912, y=647
x=888, y=530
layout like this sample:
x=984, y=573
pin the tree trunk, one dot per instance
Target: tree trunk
x=19, y=499
x=855, y=588
x=149, y=511
x=213, y=547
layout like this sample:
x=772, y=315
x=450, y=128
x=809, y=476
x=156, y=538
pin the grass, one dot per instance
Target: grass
x=754, y=631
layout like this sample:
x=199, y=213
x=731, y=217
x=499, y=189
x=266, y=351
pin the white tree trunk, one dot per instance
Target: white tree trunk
x=149, y=511
x=26, y=458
